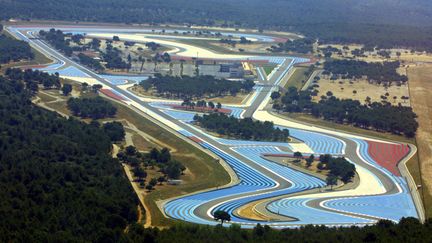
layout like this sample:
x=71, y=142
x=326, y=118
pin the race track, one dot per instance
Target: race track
x=288, y=197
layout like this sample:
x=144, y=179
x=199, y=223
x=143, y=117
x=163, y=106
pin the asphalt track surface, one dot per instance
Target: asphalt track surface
x=203, y=211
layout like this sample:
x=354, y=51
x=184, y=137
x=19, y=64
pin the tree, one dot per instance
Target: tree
x=114, y=130
x=222, y=216
x=331, y=181
x=139, y=172
x=298, y=155
x=275, y=95
x=154, y=154
x=96, y=87
x=320, y=166
x=211, y=104
x=131, y=150
x=149, y=187
x=84, y=86
x=95, y=44
x=153, y=182
x=66, y=89
x=173, y=169
x=310, y=160
x=161, y=179
x=164, y=156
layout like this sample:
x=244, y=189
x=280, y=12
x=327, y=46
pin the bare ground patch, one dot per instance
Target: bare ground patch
x=361, y=89
x=420, y=87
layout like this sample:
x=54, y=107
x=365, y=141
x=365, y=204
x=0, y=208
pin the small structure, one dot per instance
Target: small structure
x=174, y=182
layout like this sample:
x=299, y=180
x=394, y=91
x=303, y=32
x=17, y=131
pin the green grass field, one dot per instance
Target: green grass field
x=297, y=77
x=269, y=68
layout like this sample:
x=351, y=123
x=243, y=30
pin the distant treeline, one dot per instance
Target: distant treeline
x=380, y=24
x=187, y=87
x=375, y=71
x=14, y=50
x=382, y=117
x=246, y=129
x=408, y=229
x=299, y=45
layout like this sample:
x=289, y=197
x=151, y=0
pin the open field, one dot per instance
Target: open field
x=249, y=48
x=268, y=68
x=297, y=78
x=420, y=87
x=345, y=89
x=238, y=99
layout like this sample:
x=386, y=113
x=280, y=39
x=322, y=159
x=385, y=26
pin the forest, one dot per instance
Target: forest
x=14, y=50
x=375, y=71
x=90, y=62
x=379, y=116
x=33, y=78
x=245, y=129
x=95, y=108
x=57, y=39
x=372, y=22
x=407, y=230
x=59, y=182
x=187, y=87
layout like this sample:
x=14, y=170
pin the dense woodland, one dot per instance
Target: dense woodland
x=57, y=39
x=58, y=180
x=407, y=230
x=90, y=62
x=14, y=50
x=246, y=129
x=375, y=71
x=380, y=116
x=186, y=87
x=33, y=78
x=95, y=108
x=371, y=22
